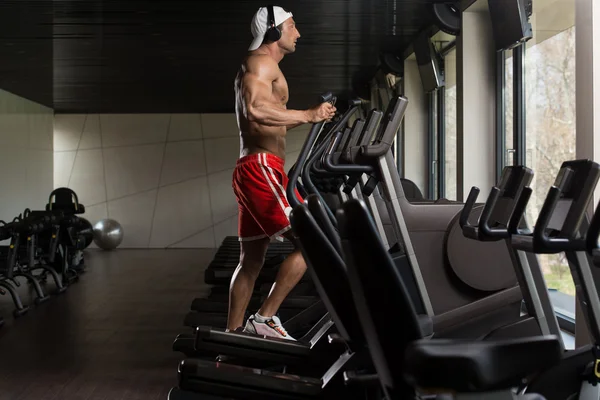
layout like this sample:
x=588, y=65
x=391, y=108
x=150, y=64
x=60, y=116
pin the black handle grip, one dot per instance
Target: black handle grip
x=307, y=180
x=353, y=378
x=370, y=186
x=371, y=127
x=355, y=102
x=335, y=142
x=345, y=138
x=327, y=97
x=328, y=164
x=306, y=148
x=518, y=212
x=317, y=169
x=293, y=178
x=591, y=238
x=351, y=136
x=484, y=220
x=350, y=184
x=468, y=208
x=540, y=237
x=346, y=168
x=317, y=154
x=546, y=212
x=335, y=338
x=398, y=105
x=316, y=159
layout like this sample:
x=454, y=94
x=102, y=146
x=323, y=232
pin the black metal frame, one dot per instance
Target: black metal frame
x=500, y=113
x=432, y=151
x=437, y=151
x=519, y=149
x=519, y=126
x=566, y=323
x=448, y=48
x=400, y=136
x=441, y=142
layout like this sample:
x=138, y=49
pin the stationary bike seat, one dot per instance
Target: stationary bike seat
x=477, y=366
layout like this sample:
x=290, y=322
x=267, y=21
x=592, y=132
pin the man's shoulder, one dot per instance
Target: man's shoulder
x=256, y=62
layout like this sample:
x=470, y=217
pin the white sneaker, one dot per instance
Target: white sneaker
x=270, y=327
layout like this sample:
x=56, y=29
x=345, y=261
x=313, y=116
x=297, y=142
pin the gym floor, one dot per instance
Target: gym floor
x=110, y=335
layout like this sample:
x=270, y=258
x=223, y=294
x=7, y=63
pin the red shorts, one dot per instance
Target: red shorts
x=259, y=184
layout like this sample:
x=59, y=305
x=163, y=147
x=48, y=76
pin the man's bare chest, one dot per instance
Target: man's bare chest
x=280, y=90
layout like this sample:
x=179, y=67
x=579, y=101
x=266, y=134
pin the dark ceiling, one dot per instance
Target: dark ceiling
x=182, y=56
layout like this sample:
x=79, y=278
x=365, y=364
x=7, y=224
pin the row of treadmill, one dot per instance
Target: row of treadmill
x=406, y=298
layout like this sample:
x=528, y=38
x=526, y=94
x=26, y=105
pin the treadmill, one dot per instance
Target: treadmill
x=493, y=225
x=196, y=374
x=245, y=382
x=204, y=376
x=313, y=321
x=422, y=231
x=213, y=309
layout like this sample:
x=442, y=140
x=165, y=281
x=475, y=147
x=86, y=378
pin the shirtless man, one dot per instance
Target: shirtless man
x=259, y=179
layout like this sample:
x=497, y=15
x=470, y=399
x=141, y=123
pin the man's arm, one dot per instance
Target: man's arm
x=292, y=126
x=257, y=86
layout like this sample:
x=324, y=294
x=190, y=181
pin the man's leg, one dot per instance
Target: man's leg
x=265, y=322
x=289, y=274
x=252, y=258
x=268, y=205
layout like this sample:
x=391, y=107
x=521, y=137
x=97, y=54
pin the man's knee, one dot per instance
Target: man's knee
x=252, y=256
x=251, y=266
x=297, y=253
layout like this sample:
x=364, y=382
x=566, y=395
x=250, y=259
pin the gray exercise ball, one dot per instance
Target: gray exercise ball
x=108, y=234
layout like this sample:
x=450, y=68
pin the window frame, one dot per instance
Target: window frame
x=519, y=151
x=500, y=113
x=441, y=142
x=436, y=141
x=519, y=125
x=432, y=144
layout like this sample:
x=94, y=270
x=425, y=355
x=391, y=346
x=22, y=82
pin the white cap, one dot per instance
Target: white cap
x=259, y=23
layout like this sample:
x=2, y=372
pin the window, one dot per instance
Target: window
x=442, y=139
x=550, y=105
x=509, y=158
x=549, y=75
x=433, y=146
x=450, y=124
